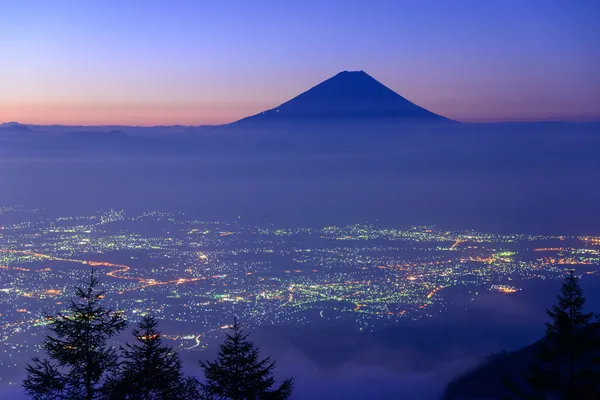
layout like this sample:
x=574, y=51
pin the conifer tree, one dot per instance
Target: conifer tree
x=567, y=361
x=79, y=356
x=240, y=374
x=150, y=369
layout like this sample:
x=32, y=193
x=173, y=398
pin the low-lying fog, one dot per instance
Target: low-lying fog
x=318, y=189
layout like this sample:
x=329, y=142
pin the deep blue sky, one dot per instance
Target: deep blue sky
x=193, y=62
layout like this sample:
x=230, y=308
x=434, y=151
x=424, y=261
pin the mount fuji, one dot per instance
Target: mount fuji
x=349, y=96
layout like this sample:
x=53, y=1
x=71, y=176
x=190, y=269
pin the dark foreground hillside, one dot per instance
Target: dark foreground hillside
x=485, y=382
x=488, y=381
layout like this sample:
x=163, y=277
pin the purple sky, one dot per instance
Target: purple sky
x=147, y=62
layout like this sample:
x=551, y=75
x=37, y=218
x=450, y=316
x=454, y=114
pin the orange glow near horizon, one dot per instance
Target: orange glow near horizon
x=135, y=110
x=125, y=114
x=190, y=114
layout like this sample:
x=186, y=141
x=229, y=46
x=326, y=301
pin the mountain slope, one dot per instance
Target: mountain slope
x=486, y=382
x=347, y=96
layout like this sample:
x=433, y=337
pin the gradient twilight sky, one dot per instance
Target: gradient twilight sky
x=145, y=62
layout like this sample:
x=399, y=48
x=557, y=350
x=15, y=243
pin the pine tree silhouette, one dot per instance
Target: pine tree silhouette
x=150, y=369
x=568, y=363
x=240, y=374
x=78, y=354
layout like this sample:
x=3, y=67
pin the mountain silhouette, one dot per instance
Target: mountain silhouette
x=347, y=96
x=14, y=127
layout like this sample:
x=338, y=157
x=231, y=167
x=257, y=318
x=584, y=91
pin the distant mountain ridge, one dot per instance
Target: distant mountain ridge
x=347, y=96
x=14, y=127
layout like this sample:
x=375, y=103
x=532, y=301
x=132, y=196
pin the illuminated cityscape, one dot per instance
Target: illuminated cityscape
x=195, y=276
